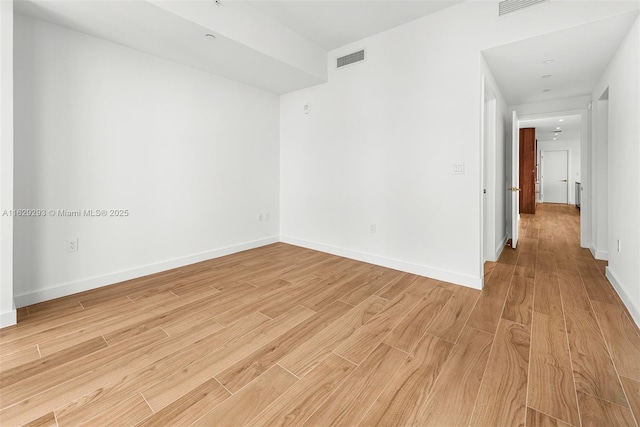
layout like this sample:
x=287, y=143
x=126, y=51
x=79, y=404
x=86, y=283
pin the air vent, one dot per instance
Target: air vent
x=508, y=6
x=352, y=58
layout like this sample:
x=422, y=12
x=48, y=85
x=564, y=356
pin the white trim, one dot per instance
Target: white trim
x=108, y=279
x=592, y=249
x=628, y=302
x=409, y=267
x=8, y=318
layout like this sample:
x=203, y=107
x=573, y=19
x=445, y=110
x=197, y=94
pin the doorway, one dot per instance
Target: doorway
x=561, y=131
x=554, y=179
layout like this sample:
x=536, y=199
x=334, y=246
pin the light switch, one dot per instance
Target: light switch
x=457, y=169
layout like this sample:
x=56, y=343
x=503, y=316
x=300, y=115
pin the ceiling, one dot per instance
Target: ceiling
x=547, y=128
x=279, y=46
x=282, y=46
x=331, y=24
x=580, y=56
x=144, y=26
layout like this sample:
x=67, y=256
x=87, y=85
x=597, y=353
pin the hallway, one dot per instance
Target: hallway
x=584, y=351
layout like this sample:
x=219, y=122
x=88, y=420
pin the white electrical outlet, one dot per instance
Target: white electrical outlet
x=373, y=228
x=457, y=169
x=72, y=245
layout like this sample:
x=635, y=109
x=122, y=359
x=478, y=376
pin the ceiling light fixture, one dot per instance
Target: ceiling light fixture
x=211, y=36
x=546, y=76
x=558, y=127
x=548, y=61
x=561, y=120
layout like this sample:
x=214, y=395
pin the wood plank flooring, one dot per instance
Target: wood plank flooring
x=283, y=335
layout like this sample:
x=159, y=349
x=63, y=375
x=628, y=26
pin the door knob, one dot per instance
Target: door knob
x=563, y=180
x=514, y=189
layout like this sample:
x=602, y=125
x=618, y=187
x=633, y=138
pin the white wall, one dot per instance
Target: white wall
x=7, y=308
x=193, y=157
x=621, y=77
x=379, y=143
x=574, y=161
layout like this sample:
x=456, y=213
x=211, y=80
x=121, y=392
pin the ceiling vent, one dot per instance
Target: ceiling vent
x=352, y=58
x=509, y=6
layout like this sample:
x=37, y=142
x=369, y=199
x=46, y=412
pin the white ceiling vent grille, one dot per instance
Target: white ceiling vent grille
x=508, y=6
x=352, y=58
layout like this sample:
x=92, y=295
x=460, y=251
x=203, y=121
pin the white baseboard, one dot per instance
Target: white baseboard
x=628, y=302
x=592, y=249
x=120, y=276
x=8, y=318
x=501, y=246
x=421, y=270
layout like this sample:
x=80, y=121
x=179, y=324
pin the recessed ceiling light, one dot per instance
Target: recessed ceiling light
x=554, y=139
x=546, y=90
x=546, y=76
x=211, y=36
x=561, y=120
x=548, y=61
x=558, y=127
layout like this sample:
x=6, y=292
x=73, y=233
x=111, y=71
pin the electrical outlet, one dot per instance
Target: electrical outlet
x=373, y=228
x=260, y=217
x=457, y=169
x=72, y=245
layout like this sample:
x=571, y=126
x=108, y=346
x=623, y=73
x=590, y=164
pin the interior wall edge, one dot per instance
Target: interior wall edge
x=501, y=245
x=8, y=318
x=120, y=276
x=407, y=267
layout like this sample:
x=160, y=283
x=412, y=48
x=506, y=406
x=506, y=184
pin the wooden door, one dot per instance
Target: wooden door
x=528, y=170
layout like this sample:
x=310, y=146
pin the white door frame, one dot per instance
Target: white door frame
x=513, y=191
x=568, y=151
x=488, y=155
x=600, y=244
x=488, y=173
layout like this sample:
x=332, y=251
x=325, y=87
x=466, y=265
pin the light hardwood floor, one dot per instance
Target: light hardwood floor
x=288, y=336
